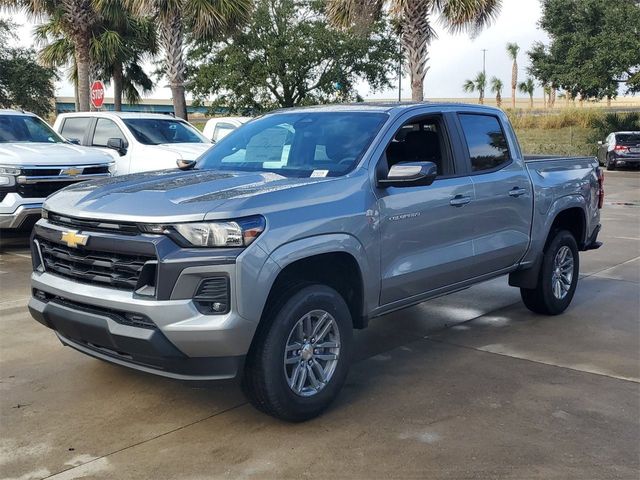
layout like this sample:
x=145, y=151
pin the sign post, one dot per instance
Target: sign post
x=97, y=93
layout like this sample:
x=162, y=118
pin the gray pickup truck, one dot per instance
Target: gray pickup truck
x=260, y=258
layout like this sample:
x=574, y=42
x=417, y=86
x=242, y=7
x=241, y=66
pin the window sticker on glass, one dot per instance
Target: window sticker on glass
x=319, y=173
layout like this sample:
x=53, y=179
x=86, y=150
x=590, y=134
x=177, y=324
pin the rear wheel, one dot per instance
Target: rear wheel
x=611, y=164
x=558, y=277
x=301, y=358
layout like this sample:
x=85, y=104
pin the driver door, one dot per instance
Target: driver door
x=426, y=232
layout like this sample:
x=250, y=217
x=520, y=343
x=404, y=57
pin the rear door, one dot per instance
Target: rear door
x=502, y=209
x=426, y=232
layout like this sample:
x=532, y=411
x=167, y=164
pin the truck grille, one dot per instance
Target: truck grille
x=115, y=270
x=41, y=189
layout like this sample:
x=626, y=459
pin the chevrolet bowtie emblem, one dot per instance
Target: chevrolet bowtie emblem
x=73, y=238
x=72, y=172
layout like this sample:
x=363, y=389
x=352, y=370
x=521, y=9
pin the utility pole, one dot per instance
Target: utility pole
x=399, y=69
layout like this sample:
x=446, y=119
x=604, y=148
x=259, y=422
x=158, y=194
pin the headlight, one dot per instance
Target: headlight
x=9, y=170
x=112, y=168
x=236, y=233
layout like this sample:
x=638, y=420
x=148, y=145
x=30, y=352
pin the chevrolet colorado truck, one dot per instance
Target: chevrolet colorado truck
x=35, y=162
x=260, y=258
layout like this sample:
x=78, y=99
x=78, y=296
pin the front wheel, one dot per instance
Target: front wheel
x=301, y=357
x=558, y=277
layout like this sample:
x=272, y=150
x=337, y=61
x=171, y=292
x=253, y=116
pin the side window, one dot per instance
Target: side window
x=106, y=129
x=421, y=140
x=487, y=144
x=221, y=130
x=73, y=128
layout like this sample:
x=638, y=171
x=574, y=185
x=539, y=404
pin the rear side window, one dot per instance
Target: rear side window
x=487, y=144
x=74, y=128
x=106, y=129
x=222, y=130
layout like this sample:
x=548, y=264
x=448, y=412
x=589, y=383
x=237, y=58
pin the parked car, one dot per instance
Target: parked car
x=620, y=149
x=247, y=265
x=139, y=142
x=35, y=162
x=217, y=128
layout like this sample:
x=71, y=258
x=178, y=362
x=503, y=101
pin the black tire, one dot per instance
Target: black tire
x=541, y=299
x=264, y=381
x=611, y=165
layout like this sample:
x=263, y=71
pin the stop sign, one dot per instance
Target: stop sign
x=97, y=93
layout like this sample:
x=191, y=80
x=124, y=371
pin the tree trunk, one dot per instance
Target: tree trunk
x=498, y=100
x=416, y=35
x=172, y=43
x=117, y=87
x=514, y=83
x=531, y=101
x=83, y=63
x=77, y=98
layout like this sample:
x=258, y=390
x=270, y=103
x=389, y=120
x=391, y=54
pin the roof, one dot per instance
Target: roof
x=118, y=114
x=382, y=107
x=10, y=111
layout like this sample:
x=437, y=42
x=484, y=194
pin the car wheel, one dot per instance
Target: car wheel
x=611, y=164
x=558, y=277
x=301, y=355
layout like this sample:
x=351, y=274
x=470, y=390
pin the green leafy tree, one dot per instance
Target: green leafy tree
x=478, y=84
x=24, y=83
x=496, y=87
x=415, y=20
x=512, y=50
x=528, y=87
x=286, y=56
x=594, y=47
x=180, y=21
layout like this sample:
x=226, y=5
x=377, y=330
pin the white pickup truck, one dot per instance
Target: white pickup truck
x=139, y=142
x=36, y=162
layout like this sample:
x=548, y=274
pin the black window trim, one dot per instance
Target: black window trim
x=463, y=139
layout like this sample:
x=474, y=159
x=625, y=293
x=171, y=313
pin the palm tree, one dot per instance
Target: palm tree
x=477, y=84
x=201, y=19
x=77, y=19
x=528, y=87
x=496, y=87
x=513, y=49
x=415, y=19
x=118, y=43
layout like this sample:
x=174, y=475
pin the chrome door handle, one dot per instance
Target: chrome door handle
x=517, y=191
x=459, y=200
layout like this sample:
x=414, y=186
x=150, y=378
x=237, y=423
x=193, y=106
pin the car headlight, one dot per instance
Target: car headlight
x=113, y=168
x=6, y=170
x=8, y=176
x=236, y=233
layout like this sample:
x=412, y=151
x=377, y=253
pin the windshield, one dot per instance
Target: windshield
x=628, y=137
x=300, y=144
x=25, y=128
x=156, y=131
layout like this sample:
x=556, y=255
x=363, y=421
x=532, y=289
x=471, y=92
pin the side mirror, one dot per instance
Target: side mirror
x=410, y=174
x=75, y=141
x=118, y=145
x=185, y=164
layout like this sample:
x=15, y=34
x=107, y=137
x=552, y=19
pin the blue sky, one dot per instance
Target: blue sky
x=452, y=58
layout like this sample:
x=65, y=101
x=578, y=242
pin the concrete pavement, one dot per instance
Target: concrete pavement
x=471, y=385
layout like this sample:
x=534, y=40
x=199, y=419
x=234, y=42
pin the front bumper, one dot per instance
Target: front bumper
x=16, y=211
x=179, y=340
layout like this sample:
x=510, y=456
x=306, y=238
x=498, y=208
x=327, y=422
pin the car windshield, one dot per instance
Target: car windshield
x=25, y=128
x=298, y=144
x=628, y=137
x=156, y=131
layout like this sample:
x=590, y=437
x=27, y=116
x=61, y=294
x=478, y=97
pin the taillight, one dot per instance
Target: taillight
x=600, y=174
x=621, y=148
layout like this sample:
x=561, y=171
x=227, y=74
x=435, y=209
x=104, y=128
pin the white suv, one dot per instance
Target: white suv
x=139, y=142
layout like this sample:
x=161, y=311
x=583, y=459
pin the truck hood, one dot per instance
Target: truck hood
x=185, y=151
x=23, y=154
x=172, y=195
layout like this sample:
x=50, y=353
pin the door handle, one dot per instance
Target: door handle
x=517, y=191
x=459, y=200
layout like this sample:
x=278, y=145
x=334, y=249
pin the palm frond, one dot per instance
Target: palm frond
x=513, y=49
x=469, y=16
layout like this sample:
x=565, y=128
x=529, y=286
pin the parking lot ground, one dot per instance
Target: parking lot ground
x=471, y=385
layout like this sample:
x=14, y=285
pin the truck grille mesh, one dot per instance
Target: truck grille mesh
x=115, y=270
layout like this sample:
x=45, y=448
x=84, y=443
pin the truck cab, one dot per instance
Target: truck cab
x=138, y=142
